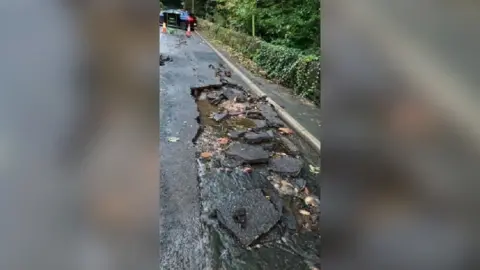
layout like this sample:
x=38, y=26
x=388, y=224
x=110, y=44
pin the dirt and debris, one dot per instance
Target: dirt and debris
x=181, y=41
x=284, y=130
x=255, y=179
x=163, y=59
x=206, y=155
x=173, y=139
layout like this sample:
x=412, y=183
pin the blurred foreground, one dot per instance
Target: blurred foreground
x=401, y=133
x=79, y=135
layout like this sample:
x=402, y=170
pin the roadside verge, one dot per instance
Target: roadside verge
x=283, y=114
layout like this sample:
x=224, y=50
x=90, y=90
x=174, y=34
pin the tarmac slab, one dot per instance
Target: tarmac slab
x=247, y=214
x=251, y=154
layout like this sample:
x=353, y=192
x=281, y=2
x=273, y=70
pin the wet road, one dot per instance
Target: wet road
x=185, y=240
x=181, y=244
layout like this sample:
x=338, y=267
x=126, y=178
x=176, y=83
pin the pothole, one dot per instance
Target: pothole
x=243, y=146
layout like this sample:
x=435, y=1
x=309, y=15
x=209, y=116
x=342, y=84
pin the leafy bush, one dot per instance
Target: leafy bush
x=290, y=23
x=290, y=67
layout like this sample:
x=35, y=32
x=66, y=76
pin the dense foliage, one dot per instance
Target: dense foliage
x=292, y=23
x=290, y=67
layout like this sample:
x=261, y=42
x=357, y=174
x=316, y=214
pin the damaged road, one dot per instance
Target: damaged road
x=250, y=199
x=257, y=189
x=179, y=192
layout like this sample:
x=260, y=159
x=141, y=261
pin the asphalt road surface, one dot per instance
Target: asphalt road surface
x=181, y=244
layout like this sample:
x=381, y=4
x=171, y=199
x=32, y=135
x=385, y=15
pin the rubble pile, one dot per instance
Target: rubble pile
x=253, y=183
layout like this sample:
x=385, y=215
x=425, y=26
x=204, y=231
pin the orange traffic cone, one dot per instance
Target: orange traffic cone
x=189, y=33
x=164, y=28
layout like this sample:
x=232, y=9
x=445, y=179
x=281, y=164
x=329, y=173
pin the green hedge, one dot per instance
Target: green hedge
x=290, y=67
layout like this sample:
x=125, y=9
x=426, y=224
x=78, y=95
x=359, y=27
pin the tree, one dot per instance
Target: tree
x=293, y=23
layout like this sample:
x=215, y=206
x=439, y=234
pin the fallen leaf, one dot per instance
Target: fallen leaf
x=304, y=212
x=247, y=170
x=206, y=155
x=223, y=140
x=312, y=201
x=173, y=139
x=285, y=130
x=314, y=169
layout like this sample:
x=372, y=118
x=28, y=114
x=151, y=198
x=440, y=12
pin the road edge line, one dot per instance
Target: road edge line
x=282, y=113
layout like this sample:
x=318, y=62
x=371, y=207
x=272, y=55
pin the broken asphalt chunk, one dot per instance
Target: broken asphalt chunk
x=252, y=137
x=163, y=59
x=290, y=221
x=236, y=134
x=218, y=100
x=300, y=183
x=234, y=94
x=224, y=81
x=247, y=214
x=274, y=198
x=269, y=146
x=291, y=148
x=231, y=162
x=286, y=165
x=251, y=154
x=270, y=115
x=255, y=115
x=213, y=95
x=259, y=123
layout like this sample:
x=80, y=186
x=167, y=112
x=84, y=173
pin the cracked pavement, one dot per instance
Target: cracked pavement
x=181, y=242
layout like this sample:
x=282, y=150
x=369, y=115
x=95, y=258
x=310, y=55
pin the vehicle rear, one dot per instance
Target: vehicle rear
x=178, y=19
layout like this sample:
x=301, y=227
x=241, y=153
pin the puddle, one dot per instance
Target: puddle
x=283, y=237
x=205, y=110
